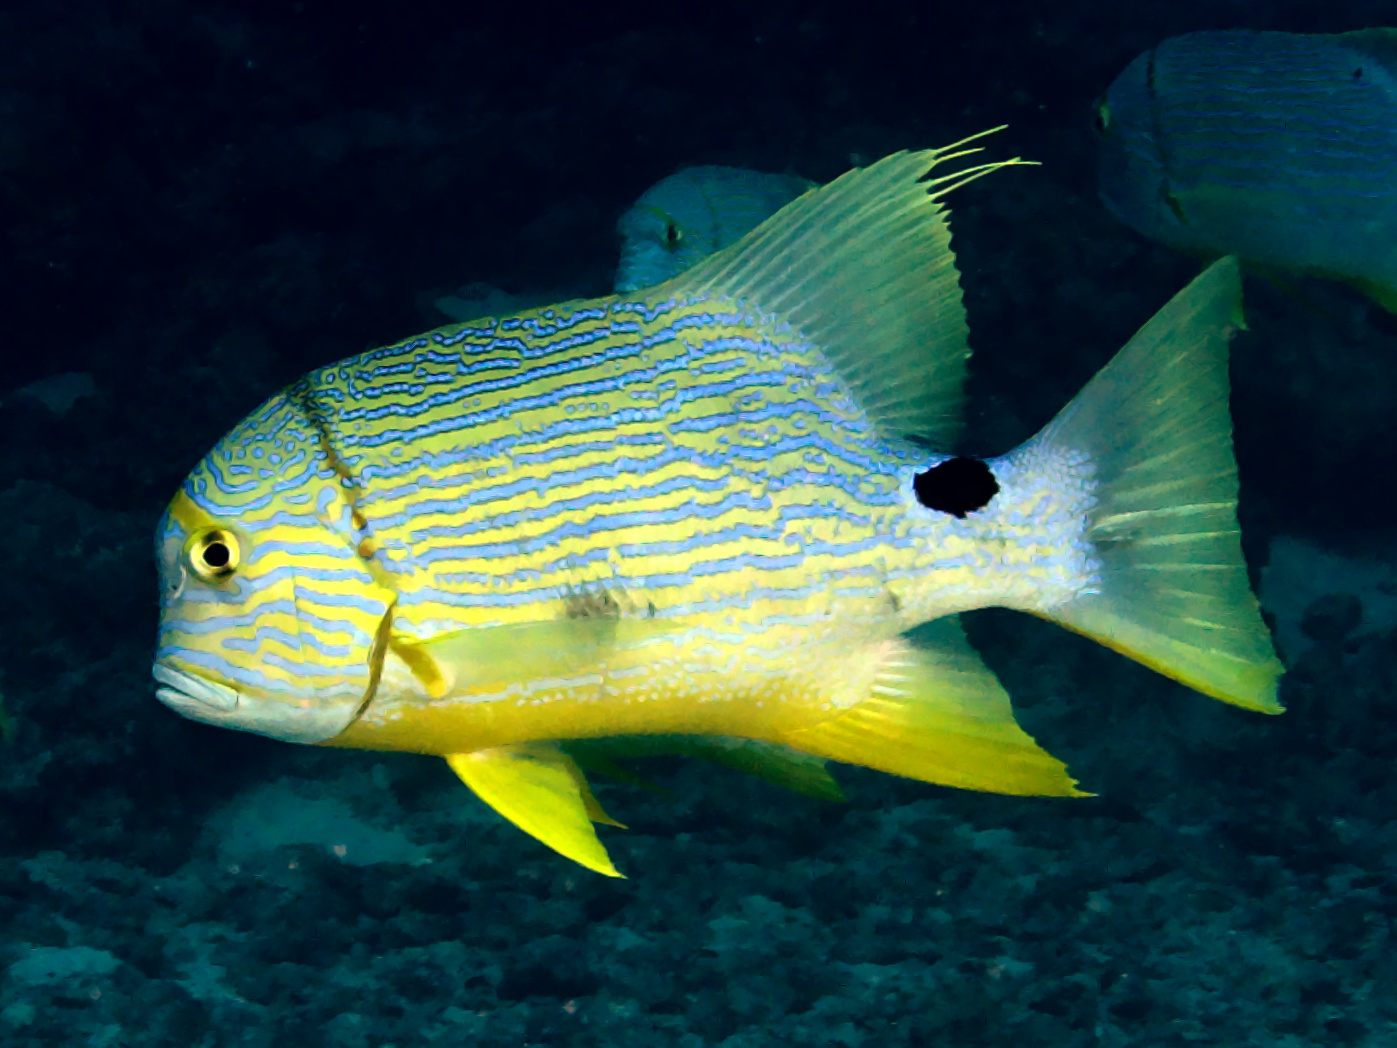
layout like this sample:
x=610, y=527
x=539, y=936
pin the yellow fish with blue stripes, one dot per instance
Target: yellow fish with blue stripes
x=698, y=512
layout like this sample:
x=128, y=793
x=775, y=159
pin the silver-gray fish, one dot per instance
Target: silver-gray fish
x=1278, y=147
x=693, y=213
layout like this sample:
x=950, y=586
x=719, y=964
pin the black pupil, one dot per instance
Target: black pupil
x=216, y=555
x=671, y=234
x=957, y=486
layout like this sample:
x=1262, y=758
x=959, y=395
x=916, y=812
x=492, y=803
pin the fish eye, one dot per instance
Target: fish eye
x=957, y=486
x=213, y=554
x=1101, y=120
x=672, y=234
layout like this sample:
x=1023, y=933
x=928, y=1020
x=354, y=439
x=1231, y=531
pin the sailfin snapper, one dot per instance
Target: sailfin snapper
x=696, y=511
x=684, y=218
x=1278, y=147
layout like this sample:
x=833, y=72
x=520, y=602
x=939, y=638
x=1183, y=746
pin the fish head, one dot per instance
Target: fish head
x=271, y=618
x=656, y=244
x=669, y=228
x=1133, y=178
x=682, y=219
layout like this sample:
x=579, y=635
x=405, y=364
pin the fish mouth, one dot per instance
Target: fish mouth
x=287, y=718
x=193, y=696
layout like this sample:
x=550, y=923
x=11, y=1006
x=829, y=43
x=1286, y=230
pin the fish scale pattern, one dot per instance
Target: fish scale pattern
x=1325, y=101
x=1278, y=147
x=685, y=461
x=688, y=450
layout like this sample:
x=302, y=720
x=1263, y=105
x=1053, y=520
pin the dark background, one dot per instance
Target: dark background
x=200, y=202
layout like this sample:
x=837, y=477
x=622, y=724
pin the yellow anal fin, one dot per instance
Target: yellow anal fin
x=938, y=714
x=542, y=791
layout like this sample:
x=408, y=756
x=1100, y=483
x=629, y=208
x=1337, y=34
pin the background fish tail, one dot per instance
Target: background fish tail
x=1173, y=590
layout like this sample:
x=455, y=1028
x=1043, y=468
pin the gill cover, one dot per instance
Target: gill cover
x=274, y=613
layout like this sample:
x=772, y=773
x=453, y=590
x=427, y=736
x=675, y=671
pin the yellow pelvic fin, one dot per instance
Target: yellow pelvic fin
x=542, y=791
x=772, y=762
x=1173, y=590
x=863, y=268
x=938, y=714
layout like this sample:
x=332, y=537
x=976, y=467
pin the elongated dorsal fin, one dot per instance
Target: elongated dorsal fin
x=863, y=268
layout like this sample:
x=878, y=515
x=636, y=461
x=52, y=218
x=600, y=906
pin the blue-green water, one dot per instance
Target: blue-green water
x=203, y=201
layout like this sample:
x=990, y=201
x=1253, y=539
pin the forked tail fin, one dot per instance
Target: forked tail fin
x=1173, y=590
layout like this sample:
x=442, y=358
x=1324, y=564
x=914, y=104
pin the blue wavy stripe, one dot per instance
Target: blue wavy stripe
x=278, y=607
x=293, y=641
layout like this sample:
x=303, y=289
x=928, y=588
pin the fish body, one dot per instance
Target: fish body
x=1278, y=147
x=696, y=511
x=693, y=213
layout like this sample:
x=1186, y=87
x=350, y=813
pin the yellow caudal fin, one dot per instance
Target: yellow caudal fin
x=1172, y=590
x=542, y=791
x=938, y=714
x=862, y=267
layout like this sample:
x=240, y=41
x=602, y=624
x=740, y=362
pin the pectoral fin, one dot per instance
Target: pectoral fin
x=542, y=791
x=496, y=656
x=938, y=714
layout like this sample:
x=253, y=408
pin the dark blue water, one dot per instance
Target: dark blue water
x=201, y=201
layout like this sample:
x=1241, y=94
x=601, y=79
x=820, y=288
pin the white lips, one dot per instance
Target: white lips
x=184, y=692
x=212, y=703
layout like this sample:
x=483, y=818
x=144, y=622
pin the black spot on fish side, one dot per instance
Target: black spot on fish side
x=957, y=486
